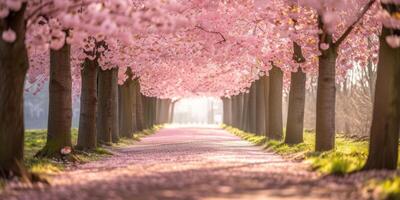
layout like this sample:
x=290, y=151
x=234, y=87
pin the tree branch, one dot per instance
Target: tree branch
x=351, y=27
x=214, y=32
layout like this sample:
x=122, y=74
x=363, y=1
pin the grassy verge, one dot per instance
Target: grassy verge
x=2, y=184
x=35, y=140
x=138, y=136
x=388, y=189
x=349, y=154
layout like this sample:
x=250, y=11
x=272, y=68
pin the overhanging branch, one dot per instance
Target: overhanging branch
x=213, y=32
x=351, y=27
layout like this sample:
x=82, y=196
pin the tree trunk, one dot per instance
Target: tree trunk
x=115, y=106
x=60, y=103
x=146, y=110
x=275, y=131
x=158, y=111
x=133, y=90
x=126, y=92
x=139, y=109
x=253, y=108
x=171, y=112
x=106, y=106
x=266, y=81
x=229, y=112
x=384, y=138
x=224, y=109
x=239, y=110
x=167, y=108
x=326, y=99
x=87, y=136
x=260, y=105
x=245, y=112
x=153, y=111
x=162, y=105
x=13, y=68
x=297, y=99
x=150, y=112
x=234, y=109
x=163, y=112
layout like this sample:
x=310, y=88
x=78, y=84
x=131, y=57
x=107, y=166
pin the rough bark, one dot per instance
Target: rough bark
x=115, y=107
x=171, y=112
x=224, y=109
x=164, y=109
x=326, y=98
x=275, y=114
x=240, y=111
x=133, y=90
x=13, y=68
x=253, y=108
x=266, y=81
x=139, y=110
x=60, y=104
x=297, y=99
x=229, y=112
x=126, y=110
x=260, y=105
x=235, y=109
x=245, y=112
x=106, y=106
x=159, y=111
x=87, y=136
x=153, y=111
x=146, y=110
x=384, y=135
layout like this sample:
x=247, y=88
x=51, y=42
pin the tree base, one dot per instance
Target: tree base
x=105, y=143
x=54, y=154
x=17, y=170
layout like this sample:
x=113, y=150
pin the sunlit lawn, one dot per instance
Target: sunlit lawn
x=349, y=154
x=36, y=139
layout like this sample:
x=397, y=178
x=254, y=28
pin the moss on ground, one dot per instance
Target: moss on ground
x=348, y=156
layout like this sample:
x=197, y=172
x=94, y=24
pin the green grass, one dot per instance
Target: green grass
x=388, y=189
x=35, y=140
x=349, y=155
x=2, y=184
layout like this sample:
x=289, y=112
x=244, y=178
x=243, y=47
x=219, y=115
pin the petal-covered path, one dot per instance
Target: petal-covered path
x=190, y=163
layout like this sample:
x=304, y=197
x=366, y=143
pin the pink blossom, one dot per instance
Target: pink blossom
x=66, y=150
x=324, y=46
x=9, y=36
x=393, y=41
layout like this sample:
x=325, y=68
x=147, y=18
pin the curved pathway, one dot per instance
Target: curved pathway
x=189, y=163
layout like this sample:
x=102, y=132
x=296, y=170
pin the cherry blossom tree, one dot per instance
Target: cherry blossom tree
x=384, y=133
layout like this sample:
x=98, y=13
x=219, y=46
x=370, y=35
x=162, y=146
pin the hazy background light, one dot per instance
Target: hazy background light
x=198, y=110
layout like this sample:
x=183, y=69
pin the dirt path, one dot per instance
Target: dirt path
x=190, y=163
